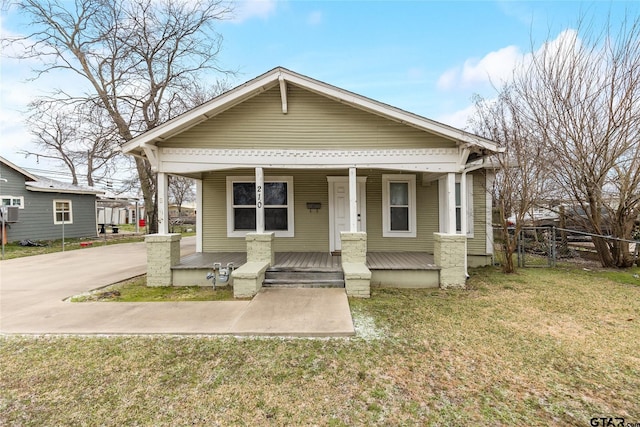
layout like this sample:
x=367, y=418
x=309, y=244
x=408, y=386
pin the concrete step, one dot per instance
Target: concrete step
x=304, y=277
x=310, y=284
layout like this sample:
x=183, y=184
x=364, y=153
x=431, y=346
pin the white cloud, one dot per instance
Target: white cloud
x=247, y=9
x=458, y=119
x=495, y=67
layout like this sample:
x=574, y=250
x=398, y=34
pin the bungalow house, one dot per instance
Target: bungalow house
x=296, y=176
x=46, y=209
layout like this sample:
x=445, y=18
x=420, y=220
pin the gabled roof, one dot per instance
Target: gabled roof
x=282, y=76
x=42, y=184
x=47, y=185
x=27, y=175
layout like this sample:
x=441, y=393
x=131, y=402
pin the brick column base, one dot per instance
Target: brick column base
x=163, y=252
x=357, y=277
x=260, y=247
x=449, y=252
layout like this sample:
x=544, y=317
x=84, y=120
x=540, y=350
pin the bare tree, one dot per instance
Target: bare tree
x=78, y=135
x=180, y=191
x=136, y=55
x=581, y=95
x=576, y=104
x=520, y=168
x=55, y=135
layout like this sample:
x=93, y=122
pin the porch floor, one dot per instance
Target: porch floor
x=323, y=260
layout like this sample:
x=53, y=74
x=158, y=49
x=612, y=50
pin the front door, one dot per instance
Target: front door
x=339, y=208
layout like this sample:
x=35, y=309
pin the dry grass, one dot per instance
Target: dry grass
x=543, y=347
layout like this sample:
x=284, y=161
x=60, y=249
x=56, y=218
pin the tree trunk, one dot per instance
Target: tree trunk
x=147, y=180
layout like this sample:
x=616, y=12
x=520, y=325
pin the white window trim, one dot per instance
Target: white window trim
x=55, y=221
x=231, y=232
x=12, y=199
x=444, y=208
x=386, y=218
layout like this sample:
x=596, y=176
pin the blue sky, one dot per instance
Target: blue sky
x=427, y=57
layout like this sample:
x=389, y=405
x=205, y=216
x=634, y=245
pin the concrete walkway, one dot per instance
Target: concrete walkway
x=32, y=290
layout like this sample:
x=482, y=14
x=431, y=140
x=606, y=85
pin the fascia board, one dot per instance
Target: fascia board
x=62, y=191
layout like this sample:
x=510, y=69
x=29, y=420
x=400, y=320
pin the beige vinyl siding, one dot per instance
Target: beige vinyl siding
x=313, y=121
x=311, y=227
x=478, y=244
x=426, y=216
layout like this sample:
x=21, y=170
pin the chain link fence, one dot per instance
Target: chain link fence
x=546, y=246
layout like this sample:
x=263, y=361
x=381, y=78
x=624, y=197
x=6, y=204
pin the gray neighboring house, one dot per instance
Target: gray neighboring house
x=46, y=206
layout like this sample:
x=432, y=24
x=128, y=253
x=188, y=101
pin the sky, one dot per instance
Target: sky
x=426, y=57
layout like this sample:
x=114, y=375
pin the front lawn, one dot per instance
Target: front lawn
x=136, y=290
x=542, y=347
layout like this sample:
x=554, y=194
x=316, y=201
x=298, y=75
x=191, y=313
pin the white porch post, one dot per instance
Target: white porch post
x=353, y=201
x=199, y=233
x=463, y=204
x=259, y=200
x=451, y=203
x=163, y=203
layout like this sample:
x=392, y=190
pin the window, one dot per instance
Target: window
x=241, y=205
x=399, y=205
x=13, y=201
x=62, y=212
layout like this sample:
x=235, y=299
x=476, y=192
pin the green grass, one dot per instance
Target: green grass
x=135, y=290
x=541, y=347
x=14, y=250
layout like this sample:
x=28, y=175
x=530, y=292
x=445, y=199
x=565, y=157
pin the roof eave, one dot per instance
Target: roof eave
x=62, y=190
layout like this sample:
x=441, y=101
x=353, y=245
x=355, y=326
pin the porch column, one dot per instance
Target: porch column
x=247, y=280
x=353, y=201
x=449, y=253
x=451, y=203
x=199, y=234
x=163, y=203
x=163, y=252
x=259, y=201
x=357, y=277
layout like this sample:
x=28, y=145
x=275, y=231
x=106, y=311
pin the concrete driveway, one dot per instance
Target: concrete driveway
x=32, y=290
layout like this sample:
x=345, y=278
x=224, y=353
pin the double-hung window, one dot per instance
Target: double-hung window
x=399, y=205
x=62, y=212
x=278, y=205
x=13, y=201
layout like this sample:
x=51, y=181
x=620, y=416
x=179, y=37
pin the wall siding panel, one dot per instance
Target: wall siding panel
x=311, y=227
x=478, y=244
x=312, y=121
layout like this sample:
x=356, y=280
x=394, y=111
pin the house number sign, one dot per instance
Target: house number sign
x=259, y=196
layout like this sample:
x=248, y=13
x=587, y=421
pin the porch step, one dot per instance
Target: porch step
x=292, y=277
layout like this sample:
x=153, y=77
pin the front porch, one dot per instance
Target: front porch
x=358, y=268
x=388, y=269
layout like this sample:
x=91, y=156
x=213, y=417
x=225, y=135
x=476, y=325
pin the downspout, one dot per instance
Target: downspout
x=463, y=214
